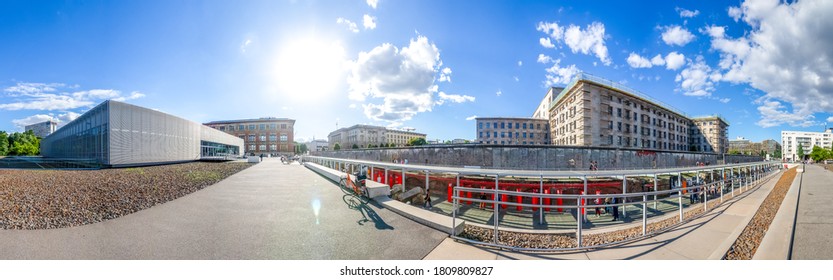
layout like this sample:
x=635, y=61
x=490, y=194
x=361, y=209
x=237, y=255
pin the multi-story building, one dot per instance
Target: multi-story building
x=792, y=139
x=42, y=129
x=116, y=134
x=747, y=147
x=267, y=136
x=710, y=134
x=317, y=145
x=740, y=144
x=592, y=111
x=543, y=110
x=513, y=131
x=363, y=136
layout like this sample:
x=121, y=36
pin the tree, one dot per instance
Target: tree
x=819, y=154
x=4, y=143
x=337, y=147
x=416, y=141
x=303, y=148
x=800, y=152
x=24, y=144
x=777, y=154
x=734, y=152
x=355, y=146
x=369, y=146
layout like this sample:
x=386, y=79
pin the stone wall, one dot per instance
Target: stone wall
x=537, y=157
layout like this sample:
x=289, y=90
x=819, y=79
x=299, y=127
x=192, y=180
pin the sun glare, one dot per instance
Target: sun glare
x=308, y=68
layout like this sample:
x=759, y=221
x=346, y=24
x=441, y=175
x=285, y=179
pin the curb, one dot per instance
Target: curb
x=777, y=240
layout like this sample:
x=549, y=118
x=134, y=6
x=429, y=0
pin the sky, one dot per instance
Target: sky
x=764, y=66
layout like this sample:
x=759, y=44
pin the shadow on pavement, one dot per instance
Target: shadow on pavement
x=368, y=214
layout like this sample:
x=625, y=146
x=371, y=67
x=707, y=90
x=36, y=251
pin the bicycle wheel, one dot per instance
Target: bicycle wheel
x=364, y=196
x=342, y=184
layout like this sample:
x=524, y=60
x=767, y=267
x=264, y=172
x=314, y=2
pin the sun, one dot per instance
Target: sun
x=309, y=68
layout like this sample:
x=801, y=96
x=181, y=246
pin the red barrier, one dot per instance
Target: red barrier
x=450, y=191
x=535, y=201
x=518, y=199
x=582, y=204
x=468, y=194
x=559, y=201
x=547, y=200
x=504, y=198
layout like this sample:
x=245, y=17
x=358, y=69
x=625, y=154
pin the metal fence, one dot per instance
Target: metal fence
x=557, y=204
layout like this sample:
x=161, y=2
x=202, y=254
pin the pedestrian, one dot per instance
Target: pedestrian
x=483, y=197
x=607, y=208
x=428, y=198
x=598, y=206
x=615, y=209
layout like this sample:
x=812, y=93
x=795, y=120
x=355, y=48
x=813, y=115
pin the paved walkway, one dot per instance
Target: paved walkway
x=813, y=237
x=707, y=237
x=262, y=212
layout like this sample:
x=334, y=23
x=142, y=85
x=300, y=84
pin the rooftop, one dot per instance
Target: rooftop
x=265, y=119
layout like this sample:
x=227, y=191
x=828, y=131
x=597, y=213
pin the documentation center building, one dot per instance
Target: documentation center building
x=117, y=134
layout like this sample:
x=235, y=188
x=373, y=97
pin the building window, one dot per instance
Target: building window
x=222, y=128
x=262, y=147
x=531, y=135
x=524, y=134
x=284, y=138
x=251, y=147
x=283, y=126
x=495, y=134
x=273, y=126
x=502, y=125
x=273, y=147
x=251, y=127
x=262, y=126
x=480, y=125
x=251, y=137
x=231, y=128
x=273, y=137
x=241, y=127
x=487, y=125
x=517, y=125
x=524, y=126
x=481, y=134
x=502, y=134
x=619, y=112
x=262, y=138
x=517, y=134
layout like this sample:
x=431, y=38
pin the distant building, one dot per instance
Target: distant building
x=317, y=145
x=792, y=139
x=459, y=141
x=269, y=136
x=747, y=147
x=42, y=129
x=710, y=134
x=543, y=110
x=116, y=134
x=740, y=144
x=363, y=135
x=512, y=131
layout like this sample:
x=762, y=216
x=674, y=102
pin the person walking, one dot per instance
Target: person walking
x=615, y=209
x=428, y=198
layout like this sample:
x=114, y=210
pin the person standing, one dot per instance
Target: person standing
x=428, y=198
x=615, y=209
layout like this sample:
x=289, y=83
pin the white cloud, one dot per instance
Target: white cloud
x=725, y=100
x=687, y=13
x=61, y=119
x=786, y=55
x=520, y=63
x=698, y=79
x=397, y=84
x=516, y=78
x=445, y=75
x=589, y=40
x=373, y=3
x=369, y=22
x=545, y=42
x=830, y=119
x=658, y=60
x=133, y=95
x=349, y=24
x=676, y=35
x=352, y=106
x=557, y=75
x=454, y=98
x=674, y=61
x=56, y=96
x=735, y=13
x=542, y=58
x=471, y=118
x=245, y=45
x=637, y=61
x=499, y=93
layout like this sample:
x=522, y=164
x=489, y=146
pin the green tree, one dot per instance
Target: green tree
x=777, y=154
x=416, y=141
x=336, y=147
x=800, y=152
x=4, y=143
x=818, y=154
x=24, y=144
x=734, y=152
x=303, y=148
x=369, y=146
x=355, y=146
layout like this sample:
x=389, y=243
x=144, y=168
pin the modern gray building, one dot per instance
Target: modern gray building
x=42, y=129
x=117, y=134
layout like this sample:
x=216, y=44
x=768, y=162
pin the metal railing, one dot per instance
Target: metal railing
x=704, y=184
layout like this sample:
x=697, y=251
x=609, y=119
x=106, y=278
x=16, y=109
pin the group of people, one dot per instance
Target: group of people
x=613, y=209
x=594, y=165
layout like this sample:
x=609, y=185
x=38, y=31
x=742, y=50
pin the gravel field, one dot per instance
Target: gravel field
x=749, y=240
x=44, y=199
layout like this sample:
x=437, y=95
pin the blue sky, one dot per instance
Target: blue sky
x=428, y=65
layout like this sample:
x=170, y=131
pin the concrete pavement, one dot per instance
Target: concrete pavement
x=813, y=239
x=268, y=211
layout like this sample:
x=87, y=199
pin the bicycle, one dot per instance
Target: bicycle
x=349, y=187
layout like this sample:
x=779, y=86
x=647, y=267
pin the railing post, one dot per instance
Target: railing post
x=453, y=205
x=579, y=221
x=624, y=191
x=497, y=213
x=541, y=202
x=680, y=202
x=426, y=184
x=644, y=213
x=655, y=191
x=583, y=213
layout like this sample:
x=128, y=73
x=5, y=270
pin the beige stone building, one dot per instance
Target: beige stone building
x=710, y=134
x=363, y=135
x=592, y=111
x=513, y=131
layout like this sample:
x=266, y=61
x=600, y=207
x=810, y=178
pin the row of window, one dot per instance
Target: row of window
x=272, y=137
x=510, y=142
x=503, y=134
x=272, y=148
x=504, y=125
x=263, y=126
x=644, y=143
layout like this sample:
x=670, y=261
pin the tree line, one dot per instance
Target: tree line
x=19, y=144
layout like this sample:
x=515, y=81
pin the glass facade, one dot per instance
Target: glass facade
x=216, y=150
x=86, y=137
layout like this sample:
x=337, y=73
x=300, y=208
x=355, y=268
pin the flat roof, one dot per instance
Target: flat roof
x=251, y=120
